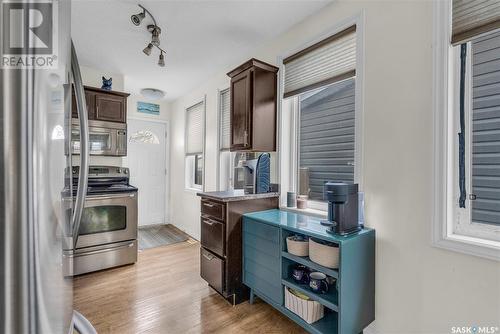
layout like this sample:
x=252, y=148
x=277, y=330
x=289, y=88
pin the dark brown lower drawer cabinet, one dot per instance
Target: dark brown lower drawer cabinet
x=221, y=237
x=212, y=235
x=212, y=269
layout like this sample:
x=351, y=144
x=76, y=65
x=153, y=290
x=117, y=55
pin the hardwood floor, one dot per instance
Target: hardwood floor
x=163, y=293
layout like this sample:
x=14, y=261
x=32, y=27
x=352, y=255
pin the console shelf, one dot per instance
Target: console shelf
x=349, y=308
x=329, y=299
x=304, y=260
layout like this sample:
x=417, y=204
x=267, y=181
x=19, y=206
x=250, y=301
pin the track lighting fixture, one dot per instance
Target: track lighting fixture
x=147, y=49
x=161, y=60
x=155, y=34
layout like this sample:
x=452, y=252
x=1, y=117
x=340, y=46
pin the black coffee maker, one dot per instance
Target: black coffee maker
x=342, y=208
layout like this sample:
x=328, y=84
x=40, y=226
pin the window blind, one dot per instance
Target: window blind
x=326, y=139
x=194, y=129
x=225, y=121
x=472, y=18
x=486, y=130
x=333, y=59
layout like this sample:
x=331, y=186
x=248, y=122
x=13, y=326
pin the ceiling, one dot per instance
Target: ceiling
x=202, y=38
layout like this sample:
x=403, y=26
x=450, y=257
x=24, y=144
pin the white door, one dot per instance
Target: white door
x=146, y=158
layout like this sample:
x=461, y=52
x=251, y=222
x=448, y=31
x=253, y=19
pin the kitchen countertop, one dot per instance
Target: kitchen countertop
x=235, y=195
x=301, y=223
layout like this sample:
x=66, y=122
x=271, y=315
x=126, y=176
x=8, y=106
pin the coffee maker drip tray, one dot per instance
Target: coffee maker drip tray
x=332, y=228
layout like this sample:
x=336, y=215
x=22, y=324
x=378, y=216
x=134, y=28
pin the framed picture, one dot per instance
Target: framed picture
x=148, y=108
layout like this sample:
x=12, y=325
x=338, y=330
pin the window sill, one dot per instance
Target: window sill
x=308, y=211
x=193, y=190
x=470, y=246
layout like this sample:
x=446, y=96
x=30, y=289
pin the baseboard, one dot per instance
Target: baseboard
x=370, y=329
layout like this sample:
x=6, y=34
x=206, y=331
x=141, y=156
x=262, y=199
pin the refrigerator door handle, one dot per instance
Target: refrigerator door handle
x=81, y=107
x=81, y=324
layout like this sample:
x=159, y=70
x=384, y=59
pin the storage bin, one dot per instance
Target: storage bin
x=309, y=310
x=325, y=254
x=297, y=247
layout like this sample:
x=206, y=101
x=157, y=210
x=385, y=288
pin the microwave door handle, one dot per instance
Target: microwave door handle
x=81, y=107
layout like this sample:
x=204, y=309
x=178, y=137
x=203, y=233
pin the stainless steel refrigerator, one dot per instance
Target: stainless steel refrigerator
x=35, y=120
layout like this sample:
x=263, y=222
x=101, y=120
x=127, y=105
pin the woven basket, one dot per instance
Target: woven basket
x=299, y=248
x=309, y=310
x=325, y=255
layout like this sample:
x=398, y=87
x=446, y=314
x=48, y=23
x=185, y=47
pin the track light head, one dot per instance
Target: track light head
x=155, y=34
x=147, y=50
x=161, y=60
x=137, y=18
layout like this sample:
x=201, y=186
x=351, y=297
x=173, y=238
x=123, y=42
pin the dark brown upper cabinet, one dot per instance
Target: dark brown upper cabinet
x=104, y=105
x=253, y=107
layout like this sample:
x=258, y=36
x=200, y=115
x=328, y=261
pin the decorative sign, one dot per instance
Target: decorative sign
x=144, y=136
x=148, y=108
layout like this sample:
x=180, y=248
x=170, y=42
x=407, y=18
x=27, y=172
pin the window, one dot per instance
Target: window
x=226, y=158
x=467, y=134
x=198, y=170
x=477, y=121
x=194, y=146
x=319, y=106
x=325, y=138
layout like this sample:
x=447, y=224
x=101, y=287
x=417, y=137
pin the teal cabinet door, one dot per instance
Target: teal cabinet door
x=261, y=260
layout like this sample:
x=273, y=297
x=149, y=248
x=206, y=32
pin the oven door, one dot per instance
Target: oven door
x=108, y=219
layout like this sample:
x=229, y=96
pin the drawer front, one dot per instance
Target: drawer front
x=212, y=269
x=213, y=209
x=212, y=235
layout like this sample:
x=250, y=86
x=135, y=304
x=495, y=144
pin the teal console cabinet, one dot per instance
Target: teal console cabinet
x=267, y=270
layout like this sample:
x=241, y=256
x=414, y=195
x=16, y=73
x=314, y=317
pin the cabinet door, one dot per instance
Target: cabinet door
x=261, y=259
x=241, y=110
x=90, y=99
x=110, y=108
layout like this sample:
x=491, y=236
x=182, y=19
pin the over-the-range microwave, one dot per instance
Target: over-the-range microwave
x=105, y=138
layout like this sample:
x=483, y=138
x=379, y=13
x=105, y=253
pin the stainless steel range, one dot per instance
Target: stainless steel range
x=107, y=236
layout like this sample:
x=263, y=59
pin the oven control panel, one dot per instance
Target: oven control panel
x=103, y=171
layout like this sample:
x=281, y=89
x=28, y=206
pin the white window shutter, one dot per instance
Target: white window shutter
x=326, y=62
x=225, y=121
x=472, y=18
x=194, y=129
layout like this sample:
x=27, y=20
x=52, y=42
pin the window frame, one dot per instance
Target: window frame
x=470, y=240
x=289, y=173
x=189, y=176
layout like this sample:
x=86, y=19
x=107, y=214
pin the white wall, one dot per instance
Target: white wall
x=93, y=77
x=419, y=288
